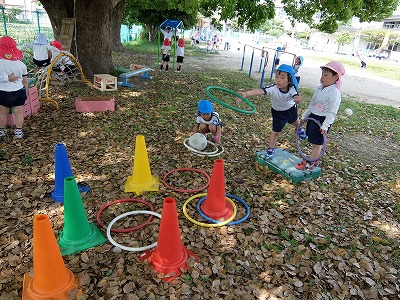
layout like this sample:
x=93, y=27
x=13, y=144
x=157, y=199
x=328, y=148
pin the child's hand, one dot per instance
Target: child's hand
x=298, y=98
x=238, y=100
x=324, y=131
x=217, y=140
x=12, y=77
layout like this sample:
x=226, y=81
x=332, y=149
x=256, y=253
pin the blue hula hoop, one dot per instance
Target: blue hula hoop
x=232, y=222
x=324, y=144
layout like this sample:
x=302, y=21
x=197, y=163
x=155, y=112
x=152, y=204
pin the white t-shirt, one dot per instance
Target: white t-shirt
x=280, y=100
x=215, y=120
x=180, y=51
x=165, y=49
x=39, y=51
x=324, y=102
x=15, y=67
x=167, y=35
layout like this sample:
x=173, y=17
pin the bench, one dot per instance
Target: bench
x=141, y=73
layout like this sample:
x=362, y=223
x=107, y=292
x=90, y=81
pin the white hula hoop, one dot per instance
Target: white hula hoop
x=135, y=212
x=216, y=152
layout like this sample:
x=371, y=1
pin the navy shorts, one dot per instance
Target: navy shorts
x=280, y=118
x=42, y=63
x=166, y=57
x=313, y=130
x=11, y=99
x=179, y=59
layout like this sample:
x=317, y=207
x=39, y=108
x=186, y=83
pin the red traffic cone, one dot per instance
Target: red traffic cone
x=51, y=278
x=169, y=257
x=216, y=206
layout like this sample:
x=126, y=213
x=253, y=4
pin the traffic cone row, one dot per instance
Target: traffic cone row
x=52, y=280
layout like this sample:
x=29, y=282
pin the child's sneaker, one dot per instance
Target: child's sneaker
x=2, y=133
x=302, y=133
x=18, y=133
x=304, y=165
x=270, y=153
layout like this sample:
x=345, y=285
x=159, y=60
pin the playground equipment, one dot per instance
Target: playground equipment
x=216, y=207
x=165, y=181
x=62, y=69
x=170, y=255
x=78, y=234
x=264, y=54
x=298, y=141
x=62, y=170
x=175, y=25
x=51, y=279
x=198, y=141
x=218, y=149
x=247, y=112
x=127, y=200
x=141, y=179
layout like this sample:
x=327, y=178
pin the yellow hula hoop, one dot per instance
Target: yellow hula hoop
x=208, y=224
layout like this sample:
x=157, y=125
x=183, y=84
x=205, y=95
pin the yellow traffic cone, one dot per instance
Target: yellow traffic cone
x=141, y=180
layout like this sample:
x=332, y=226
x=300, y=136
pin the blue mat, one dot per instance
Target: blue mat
x=284, y=162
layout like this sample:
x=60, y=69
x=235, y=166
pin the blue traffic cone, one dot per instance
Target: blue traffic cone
x=62, y=170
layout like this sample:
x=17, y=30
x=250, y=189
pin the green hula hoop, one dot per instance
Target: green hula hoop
x=247, y=112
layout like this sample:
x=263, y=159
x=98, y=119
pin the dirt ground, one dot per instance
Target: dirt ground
x=358, y=83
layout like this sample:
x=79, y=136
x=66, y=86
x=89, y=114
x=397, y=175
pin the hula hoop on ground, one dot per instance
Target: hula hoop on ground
x=216, y=152
x=132, y=249
x=183, y=170
x=121, y=201
x=247, y=112
x=207, y=224
x=298, y=141
x=230, y=223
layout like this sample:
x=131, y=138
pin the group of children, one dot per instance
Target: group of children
x=166, y=50
x=14, y=76
x=284, y=95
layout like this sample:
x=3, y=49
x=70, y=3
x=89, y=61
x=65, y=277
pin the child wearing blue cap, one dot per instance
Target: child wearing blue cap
x=207, y=120
x=298, y=62
x=284, y=97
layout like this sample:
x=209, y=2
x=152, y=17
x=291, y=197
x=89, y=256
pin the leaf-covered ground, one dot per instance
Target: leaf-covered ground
x=336, y=237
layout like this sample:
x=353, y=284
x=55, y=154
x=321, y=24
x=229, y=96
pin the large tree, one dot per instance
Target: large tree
x=326, y=15
x=97, y=20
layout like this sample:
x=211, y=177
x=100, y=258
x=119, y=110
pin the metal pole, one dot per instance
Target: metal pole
x=244, y=50
x=38, y=22
x=251, y=63
x=4, y=20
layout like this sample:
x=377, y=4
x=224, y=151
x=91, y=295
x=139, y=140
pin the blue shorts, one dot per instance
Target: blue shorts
x=11, y=99
x=280, y=118
x=313, y=130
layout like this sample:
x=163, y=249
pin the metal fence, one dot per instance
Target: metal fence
x=23, y=25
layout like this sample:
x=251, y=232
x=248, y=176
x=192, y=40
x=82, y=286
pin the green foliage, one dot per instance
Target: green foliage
x=152, y=13
x=249, y=13
x=331, y=12
x=374, y=36
x=272, y=27
x=343, y=38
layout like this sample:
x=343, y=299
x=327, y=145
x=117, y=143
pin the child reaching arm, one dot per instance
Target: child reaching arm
x=284, y=97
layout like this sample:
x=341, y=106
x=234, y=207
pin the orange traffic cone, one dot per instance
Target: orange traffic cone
x=215, y=206
x=169, y=257
x=51, y=279
x=141, y=179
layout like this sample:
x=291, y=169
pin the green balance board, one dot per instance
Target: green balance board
x=284, y=162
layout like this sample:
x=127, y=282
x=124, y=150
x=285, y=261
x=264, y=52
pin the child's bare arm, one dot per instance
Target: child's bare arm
x=196, y=128
x=251, y=93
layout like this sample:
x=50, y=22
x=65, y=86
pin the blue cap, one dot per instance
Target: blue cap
x=301, y=59
x=290, y=70
x=205, y=107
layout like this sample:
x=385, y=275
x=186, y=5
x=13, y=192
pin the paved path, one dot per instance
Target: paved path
x=357, y=83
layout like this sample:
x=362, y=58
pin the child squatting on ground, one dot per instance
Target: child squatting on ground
x=13, y=85
x=323, y=107
x=284, y=97
x=165, y=51
x=208, y=120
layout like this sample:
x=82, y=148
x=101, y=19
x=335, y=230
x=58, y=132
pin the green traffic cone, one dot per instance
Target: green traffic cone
x=78, y=234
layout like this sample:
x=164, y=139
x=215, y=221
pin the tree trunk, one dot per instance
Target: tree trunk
x=93, y=34
x=116, y=21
